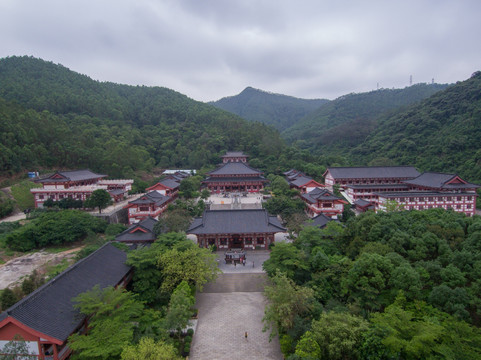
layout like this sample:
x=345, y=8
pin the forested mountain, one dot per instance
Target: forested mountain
x=280, y=111
x=348, y=120
x=55, y=118
x=442, y=133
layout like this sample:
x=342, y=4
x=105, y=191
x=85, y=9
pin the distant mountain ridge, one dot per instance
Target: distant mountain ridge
x=349, y=119
x=280, y=111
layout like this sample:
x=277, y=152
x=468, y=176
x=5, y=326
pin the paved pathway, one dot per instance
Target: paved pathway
x=228, y=308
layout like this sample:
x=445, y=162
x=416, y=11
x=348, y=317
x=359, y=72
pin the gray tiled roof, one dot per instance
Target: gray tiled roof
x=170, y=183
x=362, y=203
x=235, y=168
x=301, y=181
x=135, y=234
x=320, y=221
x=235, y=222
x=73, y=175
x=319, y=194
x=234, y=179
x=234, y=154
x=153, y=197
x=439, y=181
x=49, y=309
x=373, y=172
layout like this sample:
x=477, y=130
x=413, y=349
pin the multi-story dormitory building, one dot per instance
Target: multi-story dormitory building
x=78, y=185
x=379, y=185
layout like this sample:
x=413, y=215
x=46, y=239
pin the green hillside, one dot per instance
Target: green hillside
x=280, y=111
x=442, y=133
x=348, y=120
x=53, y=117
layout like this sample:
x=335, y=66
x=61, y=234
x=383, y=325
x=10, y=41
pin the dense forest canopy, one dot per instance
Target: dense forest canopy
x=442, y=133
x=349, y=119
x=52, y=117
x=280, y=111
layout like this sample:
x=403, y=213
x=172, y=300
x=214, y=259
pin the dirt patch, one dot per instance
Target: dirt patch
x=13, y=272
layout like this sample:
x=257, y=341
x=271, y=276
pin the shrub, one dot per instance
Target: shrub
x=54, y=228
x=190, y=332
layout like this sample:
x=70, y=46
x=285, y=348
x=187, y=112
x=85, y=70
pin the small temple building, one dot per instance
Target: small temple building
x=167, y=187
x=236, y=229
x=139, y=233
x=151, y=204
x=299, y=181
x=319, y=221
x=78, y=185
x=322, y=201
x=234, y=175
x=45, y=318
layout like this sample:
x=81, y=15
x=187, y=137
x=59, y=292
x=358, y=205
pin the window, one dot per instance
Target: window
x=260, y=240
x=470, y=198
x=401, y=199
x=143, y=208
x=223, y=241
x=52, y=197
x=421, y=199
x=327, y=205
x=421, y=207
x=458, y=206
x=440, y=198
x=249, y=240
x=79, y=196
x=459, y=198
x=468, y=206
x=411, y=199
x=60, y=196
x=449, y=198
x=40, y=196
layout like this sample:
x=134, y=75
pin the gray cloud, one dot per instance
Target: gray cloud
x=214, y=48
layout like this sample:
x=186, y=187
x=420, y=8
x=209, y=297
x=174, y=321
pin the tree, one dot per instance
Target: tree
x=180, y=308
x=195, y=265
x=148, y=349
x=111, y=326
x=286, y=302
x=100, y=199
x=7, y=298
x=338, y=335
x=367, y=279
x=289, y=260
x=15, y=349
x=147, y=276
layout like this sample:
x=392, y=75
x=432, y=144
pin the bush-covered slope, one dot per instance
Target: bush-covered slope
x=280, y=111
x=348, y=120
x=53, y=117
x=442, y=133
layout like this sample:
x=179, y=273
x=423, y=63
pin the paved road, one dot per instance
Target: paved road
x=228, y=308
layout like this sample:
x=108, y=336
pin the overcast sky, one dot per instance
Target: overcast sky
x=209, y=49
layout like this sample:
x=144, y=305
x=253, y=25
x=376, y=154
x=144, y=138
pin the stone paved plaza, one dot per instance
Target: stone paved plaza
x=231, y=306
